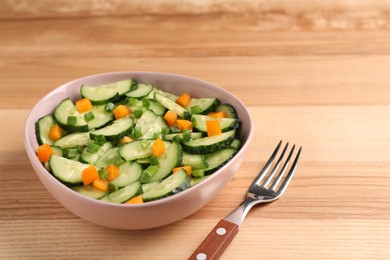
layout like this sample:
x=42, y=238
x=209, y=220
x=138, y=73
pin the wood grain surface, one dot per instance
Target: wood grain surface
x=315, y=73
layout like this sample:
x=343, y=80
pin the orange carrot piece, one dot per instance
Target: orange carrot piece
x=83, y=105
x=113, y=171
x=213, y=127
x=183, y=100
x=121, y=111
x=158, y=147
x=126, y=140
x=89, y=175
x=55, y=132
x=219, y=114
x=187, y=168
x=44, y=151
x=170, y=117
x=184, y=124
x=135, y=200
x=100, y=184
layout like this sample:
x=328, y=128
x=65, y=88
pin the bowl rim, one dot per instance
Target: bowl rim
x=34, y=160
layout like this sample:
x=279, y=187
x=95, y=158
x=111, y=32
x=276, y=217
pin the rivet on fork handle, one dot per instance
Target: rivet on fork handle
x=216, y=242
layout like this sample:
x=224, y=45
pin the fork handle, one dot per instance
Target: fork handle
x=216, y=242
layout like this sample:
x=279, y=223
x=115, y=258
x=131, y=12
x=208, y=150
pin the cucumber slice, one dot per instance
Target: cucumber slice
x=155, y=129
x=195, y=181
x=138, y=149
x=66, y=170
x=124, y=194
x=229, y=110
x=128, y=173
x=42, y=129
x=142, y=90
x=106, y=93
x=150, y=125
x=102, y=117
x=210, y=144
x=148, y=186
x=65, y=109
x=194, y=160
x=195, y=135
x=218, y=159
x=169, y=95
x=156, y=107
x=172, y=105
x=115, y=131
x=90, y=191
x=91, y=158
x=72, y=140
x=57, y=150
x=175, y=183
x=110, y=156
x=205, y=105
x=171, y=158
x=227, y=124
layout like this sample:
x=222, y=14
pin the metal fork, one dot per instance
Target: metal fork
x=265, y=188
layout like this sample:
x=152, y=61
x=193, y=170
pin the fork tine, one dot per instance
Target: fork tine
x=276, y=182
x=277, y=164
x=289, y=176
x=264, y=171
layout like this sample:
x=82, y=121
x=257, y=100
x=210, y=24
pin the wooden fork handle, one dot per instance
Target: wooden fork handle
x=216, y=242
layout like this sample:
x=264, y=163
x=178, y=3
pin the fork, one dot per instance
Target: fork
x=259, y=191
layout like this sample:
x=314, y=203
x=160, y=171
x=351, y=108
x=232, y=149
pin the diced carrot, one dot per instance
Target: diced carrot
x=101, y=184
x=126, y=140
x=83, y=105
x=187, y=168
x=213, y=127
x=135, y=200
x=184, y=124
x=170, y=117
x=89, y=175
x=158, y=147
x=113, y=171
x=183, y=100
x=44, y=151
x=219, y=114
x=55, y=132
x=121, y=111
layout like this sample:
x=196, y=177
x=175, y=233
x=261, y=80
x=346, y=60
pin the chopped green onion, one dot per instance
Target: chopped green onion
x=165, y=130
x=137, y=132
x=196, y=109
x=175, y=130
x=103, y=174
x=89, y=116
x=72, y=120
x=154, y=160
x=198, y=173
x=133, y=102
x=93, y=147
x=176, y=139
x=235, y=144
x=109, y=107
x=144, y=144
x=99, y=139
x=151, y=170
x=146, y=103
x=78, y=148
x=186, y=115
x=70, y=153
x=138, y=113
x=112, y=187
x=186, y=136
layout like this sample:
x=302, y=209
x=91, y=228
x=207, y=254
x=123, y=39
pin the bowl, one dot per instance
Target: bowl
x=151, y=214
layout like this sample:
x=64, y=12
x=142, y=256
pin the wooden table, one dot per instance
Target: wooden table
x=315, y=74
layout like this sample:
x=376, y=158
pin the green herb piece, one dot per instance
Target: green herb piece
x=89, y=116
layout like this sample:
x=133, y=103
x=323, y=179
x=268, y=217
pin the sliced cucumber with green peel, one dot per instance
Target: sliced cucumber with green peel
x=72, y=140
x=228, y=109
x=195, y=181
x=115, y=131
x=226, y=124
x=42, y=129
x=202, y=105
x=210, y=144
x=172, y=105
x=101, y=117
x=194, y=160
x=155, y=129
x=141, y=90
x=124, y=194
x=155, y=106
x=148, y=186
x=66, y=170
x=91, y=158
x=57, y=150
x=66, y=109
x=171, y=158
x=150, y=125
x=175, y=183
x=169, y=95
x=128, y=173
x=194, y=135
x=106, y=93
x=90, y=191
x=109, y=157
x=218, y=159
x=138, y=149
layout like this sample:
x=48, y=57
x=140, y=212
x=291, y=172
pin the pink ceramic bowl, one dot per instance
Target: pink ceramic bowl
x=150, y=214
